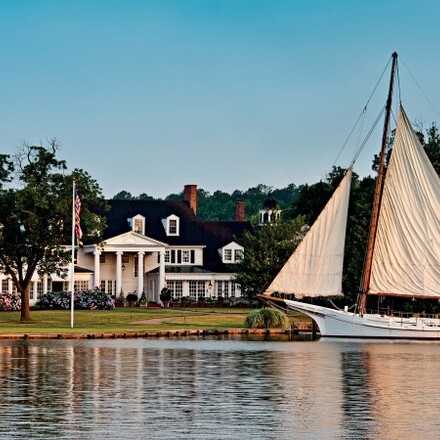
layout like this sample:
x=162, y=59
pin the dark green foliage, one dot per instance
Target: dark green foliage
x=266, y=251
x=132, y=297
x=432, y=146
x=313, y=198
x=266, y=318
x=126, y=195
x=123, y=195
x=220, y=206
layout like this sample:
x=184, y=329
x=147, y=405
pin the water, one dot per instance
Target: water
x=219, y=389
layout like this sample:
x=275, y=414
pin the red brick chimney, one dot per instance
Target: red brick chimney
x=190, y=195
x=240, y=211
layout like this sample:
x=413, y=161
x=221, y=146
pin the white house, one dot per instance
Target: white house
x=152, y=243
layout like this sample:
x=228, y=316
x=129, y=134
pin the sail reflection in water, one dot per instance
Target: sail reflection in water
x=218, y=389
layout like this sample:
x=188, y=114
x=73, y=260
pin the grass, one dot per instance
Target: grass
x=124, y=320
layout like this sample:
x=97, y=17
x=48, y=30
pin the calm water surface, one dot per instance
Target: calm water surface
x=219, y=389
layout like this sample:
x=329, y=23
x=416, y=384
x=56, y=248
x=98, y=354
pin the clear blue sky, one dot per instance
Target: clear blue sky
x=148, y=96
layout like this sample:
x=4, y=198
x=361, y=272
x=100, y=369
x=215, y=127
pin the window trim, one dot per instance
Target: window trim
x=173, y=218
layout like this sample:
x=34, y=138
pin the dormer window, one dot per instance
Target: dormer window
x=172, y=225
x=138, y=224
x=232, y=253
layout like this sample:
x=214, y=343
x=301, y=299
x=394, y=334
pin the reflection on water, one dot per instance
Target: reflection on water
x=218, y=389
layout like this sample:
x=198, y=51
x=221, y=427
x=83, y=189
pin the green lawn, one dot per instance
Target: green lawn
x=125, y=320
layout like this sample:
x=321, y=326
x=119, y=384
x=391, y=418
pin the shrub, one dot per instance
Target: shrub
x=83, y=300
x=9, y=301
x=266, y=318
x=132, y=297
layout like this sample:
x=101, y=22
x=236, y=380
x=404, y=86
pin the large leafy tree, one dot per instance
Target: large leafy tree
x=36, y=215
x=266, y=251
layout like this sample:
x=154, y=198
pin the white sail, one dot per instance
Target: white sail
x=315, y=267
x=407, y=249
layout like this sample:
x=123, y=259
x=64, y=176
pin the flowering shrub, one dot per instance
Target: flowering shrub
x=10, y=301
x=87, y=299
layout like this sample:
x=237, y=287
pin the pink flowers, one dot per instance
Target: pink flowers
x=9, y=301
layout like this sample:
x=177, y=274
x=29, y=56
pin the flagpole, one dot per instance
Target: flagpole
x=72, y=274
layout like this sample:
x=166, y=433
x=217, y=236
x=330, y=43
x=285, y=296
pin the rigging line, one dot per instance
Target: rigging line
x=363, y=112
x=361, y=147
x=421, y=89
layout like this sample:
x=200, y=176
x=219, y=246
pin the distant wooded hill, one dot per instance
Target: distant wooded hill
x=220, y=206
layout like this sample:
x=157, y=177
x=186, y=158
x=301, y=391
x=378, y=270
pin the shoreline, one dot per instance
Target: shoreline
x=303, y=328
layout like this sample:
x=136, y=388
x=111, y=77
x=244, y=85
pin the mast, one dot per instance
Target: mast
x=377, y=193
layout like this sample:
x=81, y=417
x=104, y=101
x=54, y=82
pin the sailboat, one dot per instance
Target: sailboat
x=403, y=253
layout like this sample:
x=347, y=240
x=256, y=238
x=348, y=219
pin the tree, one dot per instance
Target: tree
x=36, y=215
x=266, y=251
x=123, y=195
x=432, y=146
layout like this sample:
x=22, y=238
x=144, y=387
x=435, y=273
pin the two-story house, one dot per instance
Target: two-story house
x=152, y=243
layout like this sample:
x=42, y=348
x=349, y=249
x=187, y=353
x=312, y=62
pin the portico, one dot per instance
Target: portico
x=121, y=263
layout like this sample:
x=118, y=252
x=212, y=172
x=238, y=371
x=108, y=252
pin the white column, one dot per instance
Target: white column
x=45, y=282
x=35, y=287
x=140, y=286
x=161, y=272
x=118, y=272
x=96, y=268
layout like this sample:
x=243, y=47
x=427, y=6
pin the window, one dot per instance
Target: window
x=180, y=256
x=172, y=227
x=192, y=288
x=223, y=288
x=238, y=255
x=108, y=286
x=197, y=289
x=5, y=285
x=135, y=266
x=227, y=255
x=176, y=288
x=39, y=289
x=201, y=289
x=138, y=224
x=102, y=257
x=81, y=285
x=235, y=288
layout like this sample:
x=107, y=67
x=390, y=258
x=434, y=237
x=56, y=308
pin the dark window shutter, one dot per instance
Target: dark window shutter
x=193, y=256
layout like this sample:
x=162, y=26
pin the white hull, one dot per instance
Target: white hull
x=342, y=324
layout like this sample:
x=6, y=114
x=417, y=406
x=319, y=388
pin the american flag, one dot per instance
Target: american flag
x=78, y=231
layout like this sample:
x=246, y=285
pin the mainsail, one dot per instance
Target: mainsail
x=315, y=268
x=406, y=258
